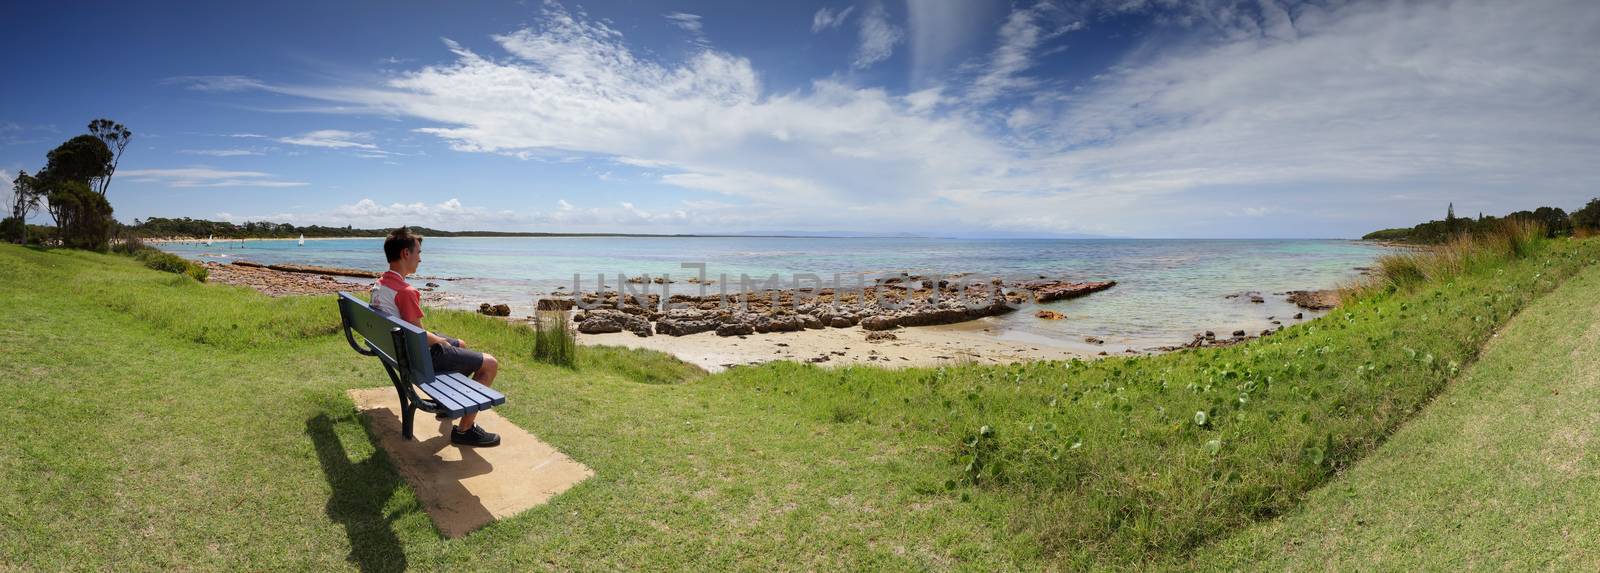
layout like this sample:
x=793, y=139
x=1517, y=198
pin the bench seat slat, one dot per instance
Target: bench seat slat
x=471, y=387
x=458, y=383
x=448, y=397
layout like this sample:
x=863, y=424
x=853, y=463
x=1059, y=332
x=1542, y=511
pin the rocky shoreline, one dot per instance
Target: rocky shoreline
x=892, y=303
x=273, y=282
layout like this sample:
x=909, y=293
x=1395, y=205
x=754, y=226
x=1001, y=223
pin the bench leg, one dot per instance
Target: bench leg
x=408, y=413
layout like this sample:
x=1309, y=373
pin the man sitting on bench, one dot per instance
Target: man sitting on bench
x=393, y=295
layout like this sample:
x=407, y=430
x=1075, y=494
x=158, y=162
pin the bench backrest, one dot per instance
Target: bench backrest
x=398, y=343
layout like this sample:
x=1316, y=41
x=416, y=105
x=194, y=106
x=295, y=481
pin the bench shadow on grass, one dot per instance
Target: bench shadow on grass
x=360, y=491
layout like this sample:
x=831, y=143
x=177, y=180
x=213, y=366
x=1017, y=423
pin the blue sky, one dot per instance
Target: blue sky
x=1139, y=118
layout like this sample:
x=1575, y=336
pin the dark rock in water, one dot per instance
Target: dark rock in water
x=1046, y=291
x=1314, y=299
x=1256, y=299
x=1266, y=332
x=1049, y=315
x=315, y=270
x=880, y=336
x=1238, y=333
x=735, y=329
x=431, y=285
x=1299, y=315
x=494, y=310
x=1210, y=335
x=1094, y=340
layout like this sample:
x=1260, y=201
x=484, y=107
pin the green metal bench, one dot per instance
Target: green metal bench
x=403, y=350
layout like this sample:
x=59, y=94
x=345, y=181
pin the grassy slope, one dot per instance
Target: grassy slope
x=178, y=431
x=207, y=426
x=1501, y=472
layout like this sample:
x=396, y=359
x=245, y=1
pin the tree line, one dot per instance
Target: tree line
x=1556, y=222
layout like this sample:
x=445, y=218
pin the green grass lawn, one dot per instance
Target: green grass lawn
x=1500, y=472
x=159, y=423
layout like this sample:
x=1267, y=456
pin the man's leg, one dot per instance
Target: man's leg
x=484, y=376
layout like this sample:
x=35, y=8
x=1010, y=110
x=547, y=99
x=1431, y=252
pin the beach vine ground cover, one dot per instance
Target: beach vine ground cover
x=210, y=429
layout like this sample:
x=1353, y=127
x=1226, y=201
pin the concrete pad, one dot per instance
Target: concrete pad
x=463, y=489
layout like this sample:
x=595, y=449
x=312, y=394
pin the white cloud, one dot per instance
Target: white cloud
x=218, y=83
x=878, y=37
x=221, y=152
x=205, y=177
x=332, y=139
x=1484, y=103
x=827, y=19
x=1019, y=36
x=455, y=215
x=690, y=23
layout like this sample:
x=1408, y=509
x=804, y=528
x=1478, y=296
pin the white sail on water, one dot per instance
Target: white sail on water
x=302, y=240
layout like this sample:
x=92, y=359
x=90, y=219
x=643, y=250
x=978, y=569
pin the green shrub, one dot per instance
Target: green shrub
x=12, y=230
x=164, y=261
x=128, y=245
x=553, y=341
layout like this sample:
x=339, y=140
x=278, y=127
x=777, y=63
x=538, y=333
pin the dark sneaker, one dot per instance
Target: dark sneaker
x=474, y=437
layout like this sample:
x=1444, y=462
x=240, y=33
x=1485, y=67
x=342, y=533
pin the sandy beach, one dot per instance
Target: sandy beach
x=917, y=346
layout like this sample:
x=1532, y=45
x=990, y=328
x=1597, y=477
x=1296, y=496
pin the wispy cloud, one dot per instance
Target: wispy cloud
x=690, y=23
x=453, y=214
x=217, y=83
x=206, y=177
x=827, y=19
x=878, y=37
x=221, y=152
x=332, y=139
x=1019, y=37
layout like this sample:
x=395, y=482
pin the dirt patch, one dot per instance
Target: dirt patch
x=463, y=489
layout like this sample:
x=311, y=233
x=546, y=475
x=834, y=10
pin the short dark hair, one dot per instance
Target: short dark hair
x=400, y=240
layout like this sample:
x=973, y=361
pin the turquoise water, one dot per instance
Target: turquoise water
x=1167, y=289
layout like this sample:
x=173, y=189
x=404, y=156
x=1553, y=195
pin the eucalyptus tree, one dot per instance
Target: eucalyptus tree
x=116, y=137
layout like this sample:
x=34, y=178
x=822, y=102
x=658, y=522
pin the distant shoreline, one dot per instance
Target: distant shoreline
x=516, y=236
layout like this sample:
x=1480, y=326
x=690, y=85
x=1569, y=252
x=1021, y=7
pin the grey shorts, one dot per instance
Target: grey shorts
x=454, y=358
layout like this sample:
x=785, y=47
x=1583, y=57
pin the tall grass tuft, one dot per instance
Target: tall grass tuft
x=553, y=340
x=1512, y=239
